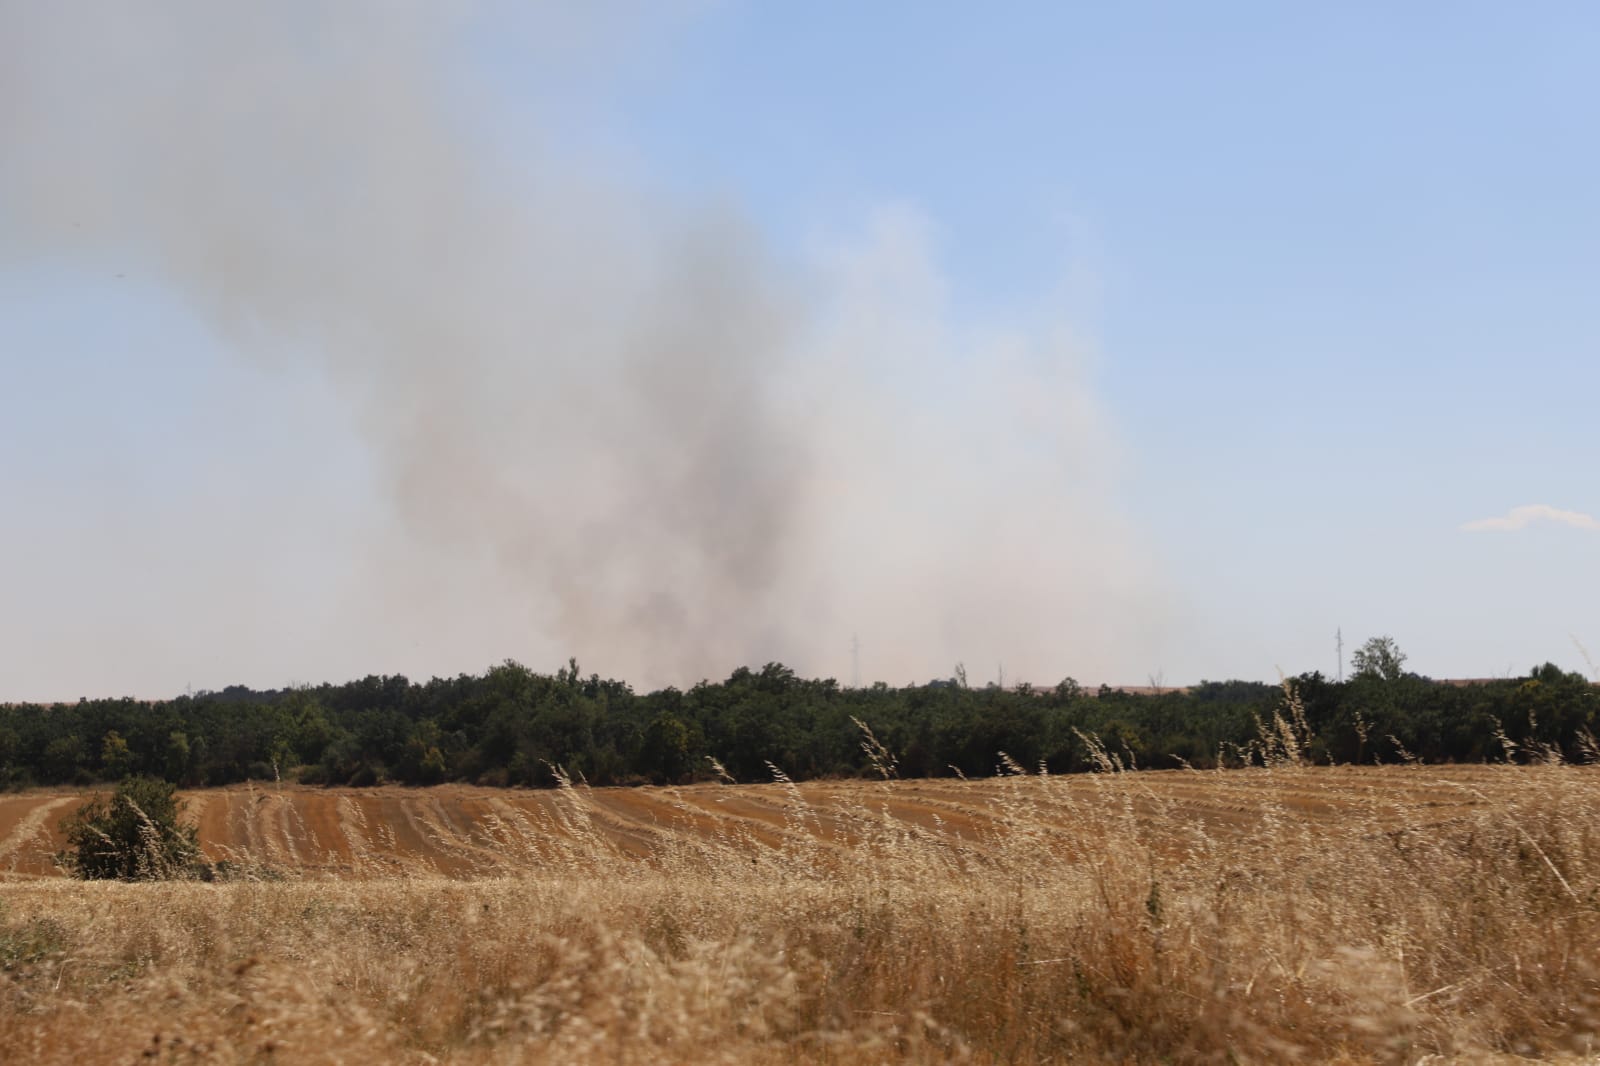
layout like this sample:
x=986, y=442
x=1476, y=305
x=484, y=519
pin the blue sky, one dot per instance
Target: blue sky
x=1343, y=263
x=1238, y=312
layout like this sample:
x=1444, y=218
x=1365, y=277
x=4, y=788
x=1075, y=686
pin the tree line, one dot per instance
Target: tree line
x=512, y=726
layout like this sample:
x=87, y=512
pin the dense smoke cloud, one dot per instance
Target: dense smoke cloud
x=675, y=448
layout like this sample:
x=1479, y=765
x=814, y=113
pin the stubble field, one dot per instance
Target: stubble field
x=1312, y=914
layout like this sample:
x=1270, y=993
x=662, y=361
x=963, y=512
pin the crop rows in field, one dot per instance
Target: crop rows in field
x=464, y=831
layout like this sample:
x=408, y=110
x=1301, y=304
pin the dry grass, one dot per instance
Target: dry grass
x=1291, y=914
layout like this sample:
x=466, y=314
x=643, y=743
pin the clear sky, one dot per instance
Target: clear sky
x=1112, y=341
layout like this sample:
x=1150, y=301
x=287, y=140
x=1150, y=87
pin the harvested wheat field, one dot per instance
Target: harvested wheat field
x=1352, y=915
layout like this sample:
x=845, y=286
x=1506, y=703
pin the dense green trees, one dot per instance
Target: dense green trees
x=509, y=725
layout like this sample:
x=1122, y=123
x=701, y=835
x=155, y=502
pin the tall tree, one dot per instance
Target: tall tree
x=1379, y=658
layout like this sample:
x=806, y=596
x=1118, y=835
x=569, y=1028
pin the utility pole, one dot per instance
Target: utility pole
x=1338, y=638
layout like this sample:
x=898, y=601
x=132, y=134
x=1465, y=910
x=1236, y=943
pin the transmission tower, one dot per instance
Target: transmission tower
x=855, y=660
x=1338, y=639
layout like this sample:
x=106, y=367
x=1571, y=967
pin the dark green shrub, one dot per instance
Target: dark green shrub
x=135, y=836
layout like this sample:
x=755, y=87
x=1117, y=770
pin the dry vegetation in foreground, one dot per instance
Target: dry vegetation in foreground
x=1268, y=915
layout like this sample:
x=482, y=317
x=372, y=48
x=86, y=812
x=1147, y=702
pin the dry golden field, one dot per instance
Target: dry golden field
x=1344, y=914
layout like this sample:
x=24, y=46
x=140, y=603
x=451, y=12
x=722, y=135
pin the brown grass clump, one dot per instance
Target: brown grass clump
x=1289, y=914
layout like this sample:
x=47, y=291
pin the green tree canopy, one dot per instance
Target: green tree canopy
x=1379, y=658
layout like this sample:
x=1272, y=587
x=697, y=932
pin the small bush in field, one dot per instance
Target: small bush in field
x=134, y=836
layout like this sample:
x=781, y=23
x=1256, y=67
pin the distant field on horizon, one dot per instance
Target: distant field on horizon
x=1037, y=686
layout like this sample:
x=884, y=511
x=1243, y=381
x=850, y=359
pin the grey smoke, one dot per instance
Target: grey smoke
x=620, y=420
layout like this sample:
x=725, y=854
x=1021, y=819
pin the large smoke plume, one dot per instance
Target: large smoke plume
x=615, y=423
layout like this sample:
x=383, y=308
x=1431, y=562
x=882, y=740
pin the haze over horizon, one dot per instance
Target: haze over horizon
x=1155, y=343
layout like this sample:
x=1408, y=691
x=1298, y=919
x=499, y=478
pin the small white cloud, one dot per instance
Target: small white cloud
x=1520, y=517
